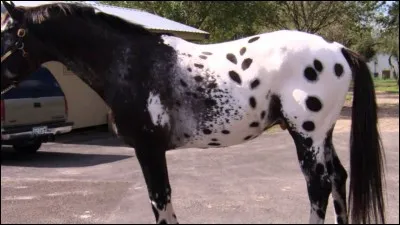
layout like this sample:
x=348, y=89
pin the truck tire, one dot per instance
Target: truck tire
x=28, y=147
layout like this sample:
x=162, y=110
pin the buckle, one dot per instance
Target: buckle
x=21, y=33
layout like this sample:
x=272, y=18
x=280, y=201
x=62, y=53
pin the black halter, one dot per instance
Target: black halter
x=18, y=46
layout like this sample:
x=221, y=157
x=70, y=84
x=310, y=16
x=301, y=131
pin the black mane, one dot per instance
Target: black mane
x=51, y=11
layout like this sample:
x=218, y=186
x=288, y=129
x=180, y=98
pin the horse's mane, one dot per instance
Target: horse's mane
x=50, y=11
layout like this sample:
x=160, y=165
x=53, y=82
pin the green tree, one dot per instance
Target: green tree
x=347, y=22
x=390, y=35
x=224, y=20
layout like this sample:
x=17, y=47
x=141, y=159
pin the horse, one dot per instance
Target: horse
x=166, y=93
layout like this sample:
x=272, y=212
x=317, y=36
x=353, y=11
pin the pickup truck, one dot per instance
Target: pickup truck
x=34, y=112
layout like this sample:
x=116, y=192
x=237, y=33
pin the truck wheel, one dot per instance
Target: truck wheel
x=28, y=147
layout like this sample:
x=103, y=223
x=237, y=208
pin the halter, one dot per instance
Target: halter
x=19, y=45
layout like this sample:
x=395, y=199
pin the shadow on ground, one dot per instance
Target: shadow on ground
x=98, y=135
x=9, y=157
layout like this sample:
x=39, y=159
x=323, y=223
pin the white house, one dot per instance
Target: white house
x=380, y=62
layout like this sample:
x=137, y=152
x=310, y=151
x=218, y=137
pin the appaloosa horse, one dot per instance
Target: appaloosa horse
x=167, y=93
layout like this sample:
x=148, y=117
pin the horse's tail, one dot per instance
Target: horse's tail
x=366, y=158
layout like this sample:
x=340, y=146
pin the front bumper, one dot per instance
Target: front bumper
x=44, y=132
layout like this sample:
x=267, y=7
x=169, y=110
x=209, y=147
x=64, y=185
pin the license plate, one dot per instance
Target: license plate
x=39, y=130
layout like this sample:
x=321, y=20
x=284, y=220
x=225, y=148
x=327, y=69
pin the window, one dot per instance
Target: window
x=41, y=83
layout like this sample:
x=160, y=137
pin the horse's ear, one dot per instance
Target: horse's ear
x=14, y=12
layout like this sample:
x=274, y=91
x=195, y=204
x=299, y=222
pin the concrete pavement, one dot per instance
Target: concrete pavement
x=95, y=179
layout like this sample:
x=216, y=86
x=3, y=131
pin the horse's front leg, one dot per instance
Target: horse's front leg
x=154, y=167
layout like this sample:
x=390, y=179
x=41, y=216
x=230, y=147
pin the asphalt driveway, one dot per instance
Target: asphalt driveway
x=92, y=178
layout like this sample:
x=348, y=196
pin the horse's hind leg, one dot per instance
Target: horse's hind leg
x=311, y=156
x=338, y=177
x=153, y=162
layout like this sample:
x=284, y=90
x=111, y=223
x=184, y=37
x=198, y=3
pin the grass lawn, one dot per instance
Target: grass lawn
x=387, y=86
x=381, y=86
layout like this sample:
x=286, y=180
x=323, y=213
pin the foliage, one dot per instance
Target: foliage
x=224, y=20
x=390, y=35
x=350, y=23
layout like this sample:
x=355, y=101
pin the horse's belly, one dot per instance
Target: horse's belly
x=229, y=125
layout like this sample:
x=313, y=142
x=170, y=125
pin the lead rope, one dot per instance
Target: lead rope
x=7, y=89
x=4, y=57
x=20, y=33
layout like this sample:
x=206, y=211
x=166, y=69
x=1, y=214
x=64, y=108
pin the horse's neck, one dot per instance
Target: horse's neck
x=90, y=55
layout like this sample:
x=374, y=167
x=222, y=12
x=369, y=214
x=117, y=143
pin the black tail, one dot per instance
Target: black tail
x=366, y=158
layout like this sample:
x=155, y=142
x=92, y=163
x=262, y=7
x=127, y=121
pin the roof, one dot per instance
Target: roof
x=148, y=20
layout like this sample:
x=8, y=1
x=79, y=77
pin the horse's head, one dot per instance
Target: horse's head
x=17, y=46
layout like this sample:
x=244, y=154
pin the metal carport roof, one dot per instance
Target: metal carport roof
x=150, y=21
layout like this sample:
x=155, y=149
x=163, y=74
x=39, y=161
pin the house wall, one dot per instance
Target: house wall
x=381, y=62
x=85, y=107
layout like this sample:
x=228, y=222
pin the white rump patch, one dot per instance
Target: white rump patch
x=159, y=115
x=300, y=96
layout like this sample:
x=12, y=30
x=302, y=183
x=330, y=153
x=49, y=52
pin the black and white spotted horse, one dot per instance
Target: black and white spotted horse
x=167, y=93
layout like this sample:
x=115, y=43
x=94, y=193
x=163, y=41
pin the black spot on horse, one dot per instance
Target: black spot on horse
x=338, y=208
x=313, y=104
x=338, y=70
x=235, y=77
x=308, y=126
x=329, y=168
x=308, y=142
x=163, y=222
x=319, y=169
x=183, y=83
x=225, y=131
x=253, y=39
x=212, y=85
x=214, y=144
x=189, y=69
x=321, y=214
x=200, y=89
x=178, y=103
x=206, y=131
x=248, y=137
x=200, y=66
x=186, y=135
x=263, y=114
x=252, y=102
x=242, y=50
x=207, y=53
x=203, y=57
x=246, y=63
x=198, y=78
x=210, y=102
x=254, y=83
x=254, y=124
x=339, y=220
x=310, y=74
x=231, y=57
x=214, y=139
x=318, y=65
